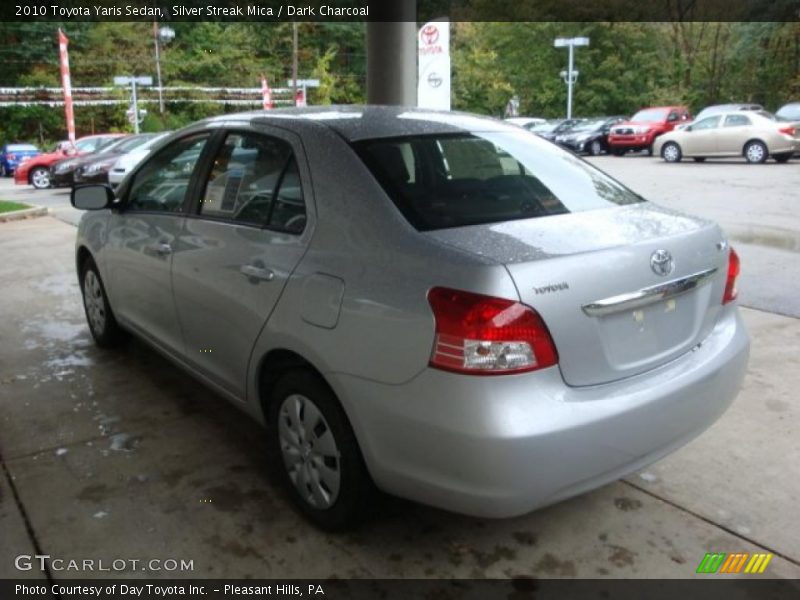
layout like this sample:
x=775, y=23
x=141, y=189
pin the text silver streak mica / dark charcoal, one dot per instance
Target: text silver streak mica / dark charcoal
x=441, y=304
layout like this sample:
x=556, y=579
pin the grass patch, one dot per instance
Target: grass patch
x=8, y=206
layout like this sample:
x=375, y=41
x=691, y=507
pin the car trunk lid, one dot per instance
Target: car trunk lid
x=589, y=275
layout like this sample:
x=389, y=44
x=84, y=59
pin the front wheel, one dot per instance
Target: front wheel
x=595, y=148
x=40, y=178
x=104, y=327
x=756, y=152
x=671, y=152
x=316, y=452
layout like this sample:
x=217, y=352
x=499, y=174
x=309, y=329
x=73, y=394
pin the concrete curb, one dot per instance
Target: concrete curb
x=28, y=213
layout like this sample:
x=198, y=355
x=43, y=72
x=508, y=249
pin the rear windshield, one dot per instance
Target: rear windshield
x=442, y=181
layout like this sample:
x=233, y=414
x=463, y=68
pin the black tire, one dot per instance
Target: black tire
x=40, y=178
x=3, y=172
x=756, y=152
x=595, y=148
x=650, y=150
x=104, y=328
x=356, y=490
x=671, y=152
x=782, y=158
x=618, y=152
x=699, y=159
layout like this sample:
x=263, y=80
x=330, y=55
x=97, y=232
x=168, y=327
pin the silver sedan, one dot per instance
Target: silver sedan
x=437, y=305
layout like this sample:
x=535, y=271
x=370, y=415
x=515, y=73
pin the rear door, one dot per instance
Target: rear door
x=142, y=240
x=734, y=133
x=242, y=240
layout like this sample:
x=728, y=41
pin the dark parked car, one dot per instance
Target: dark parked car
x=95, y=168
x=13, y=154
x=590, y=136
x=62, y=173
x=554, y=127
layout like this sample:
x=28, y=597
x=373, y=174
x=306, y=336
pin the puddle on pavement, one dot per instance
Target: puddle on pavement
x=782, y=239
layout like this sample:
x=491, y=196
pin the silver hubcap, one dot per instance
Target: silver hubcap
x=41, y=178
x=93, y=301
x=755, y=152
x=595, y=148
x=671, y=153
x=309, y=451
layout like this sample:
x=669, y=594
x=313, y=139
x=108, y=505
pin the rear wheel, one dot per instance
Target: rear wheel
x=650, y=150
x=595, y=148
x=316, y=452
x=671, y=152
x=756, y=152
x=40, y=178
x=104, y=327
x=782, y=158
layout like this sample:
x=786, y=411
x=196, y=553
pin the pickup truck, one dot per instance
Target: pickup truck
x=644, y=127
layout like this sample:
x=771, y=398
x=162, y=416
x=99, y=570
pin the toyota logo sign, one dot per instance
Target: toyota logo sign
x=430, y=34
x=662, y=263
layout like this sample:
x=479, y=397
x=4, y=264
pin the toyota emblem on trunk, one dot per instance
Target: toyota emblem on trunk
x=662, y=263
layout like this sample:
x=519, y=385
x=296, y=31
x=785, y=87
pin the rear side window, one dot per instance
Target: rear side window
x=255, y=181
x=737, y=121
x=445, y=181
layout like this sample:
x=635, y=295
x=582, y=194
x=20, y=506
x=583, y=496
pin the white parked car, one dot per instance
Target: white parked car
x=126, y=162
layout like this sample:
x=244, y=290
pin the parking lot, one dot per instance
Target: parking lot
x=121, y=455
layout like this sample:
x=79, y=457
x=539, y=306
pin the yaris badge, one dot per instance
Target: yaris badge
x=662, y=263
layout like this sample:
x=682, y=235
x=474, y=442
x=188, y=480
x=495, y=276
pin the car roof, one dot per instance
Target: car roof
x=354, y=123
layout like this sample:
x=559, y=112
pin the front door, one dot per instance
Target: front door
x=142, y=238
x=701, y=139
x=241, y=243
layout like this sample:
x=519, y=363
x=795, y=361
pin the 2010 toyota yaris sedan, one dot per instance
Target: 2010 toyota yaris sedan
x=439, y=304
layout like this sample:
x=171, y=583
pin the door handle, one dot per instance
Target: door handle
x=255, y=272
x=163, y=248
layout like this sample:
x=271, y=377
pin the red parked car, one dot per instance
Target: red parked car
x=644, y=127
x=36, y=171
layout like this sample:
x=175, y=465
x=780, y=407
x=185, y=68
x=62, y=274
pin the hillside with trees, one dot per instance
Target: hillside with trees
x=627, y=65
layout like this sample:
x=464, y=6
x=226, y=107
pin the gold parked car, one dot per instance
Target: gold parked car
x=756, y=135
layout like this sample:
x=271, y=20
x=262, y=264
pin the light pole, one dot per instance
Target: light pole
x=163, y=35
x=570, y=76
x=134, y=114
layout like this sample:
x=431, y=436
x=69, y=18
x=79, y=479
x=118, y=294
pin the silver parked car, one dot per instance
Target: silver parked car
x=439, y=304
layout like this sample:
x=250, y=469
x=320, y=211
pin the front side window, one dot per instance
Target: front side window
x=707, y=123
x=161, y=184
x=441, y=181
x=254, y=180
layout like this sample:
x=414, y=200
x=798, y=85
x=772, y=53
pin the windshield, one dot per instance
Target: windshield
x=442, y=181
x=589, y=125
x=651, y=115
x=22, y=148
x=790, y=112
x=548, y=126
x=129, y=143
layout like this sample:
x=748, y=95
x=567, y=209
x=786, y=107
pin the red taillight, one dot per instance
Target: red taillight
x=484, y=335
x=730, y=283
x=787, y=130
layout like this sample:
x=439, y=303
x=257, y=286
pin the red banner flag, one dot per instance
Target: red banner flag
x=266, y=93
x=300, y=97
x=63, y=42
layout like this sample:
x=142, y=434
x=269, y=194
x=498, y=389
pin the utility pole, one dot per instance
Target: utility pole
x=134, y=114
x=570, y=76
x=294, y=61
x=163, y=35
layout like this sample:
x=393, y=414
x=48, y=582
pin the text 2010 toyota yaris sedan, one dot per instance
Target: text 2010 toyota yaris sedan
x=438, y=303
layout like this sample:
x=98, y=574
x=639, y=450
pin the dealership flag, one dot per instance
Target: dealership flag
x=266, y=93
x=433, y=83
x=300, y=97
x=63, y=42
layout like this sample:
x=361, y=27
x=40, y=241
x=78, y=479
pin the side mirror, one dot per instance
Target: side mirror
x=92, y=197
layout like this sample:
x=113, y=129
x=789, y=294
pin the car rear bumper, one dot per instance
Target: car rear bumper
x=503, y=446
